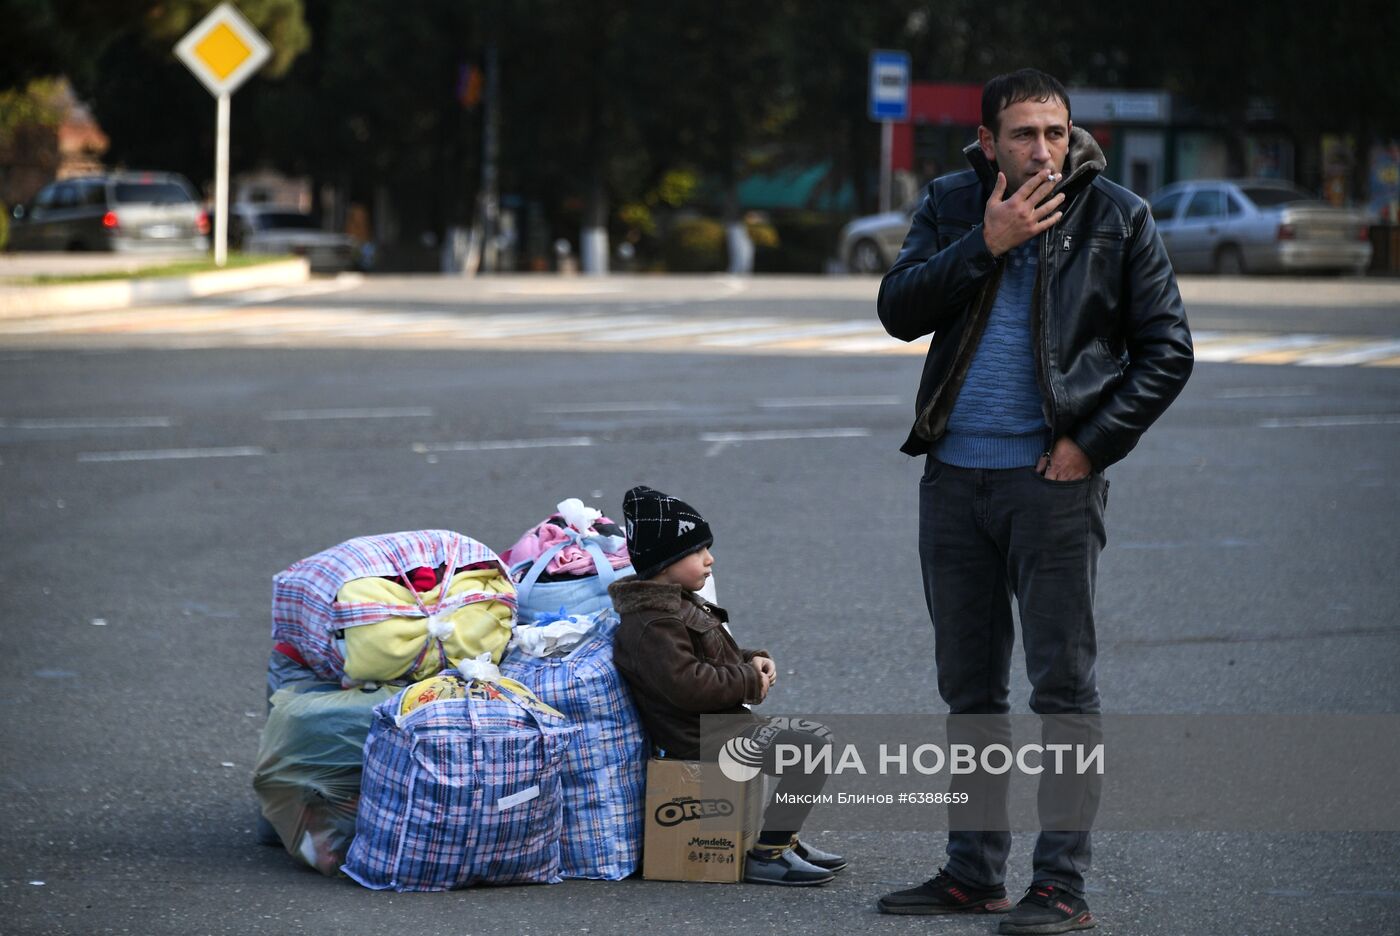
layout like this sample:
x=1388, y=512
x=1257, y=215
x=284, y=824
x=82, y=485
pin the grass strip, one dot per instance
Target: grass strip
x=175, y=268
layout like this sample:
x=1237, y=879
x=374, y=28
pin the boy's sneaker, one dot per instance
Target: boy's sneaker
x=782, y=865
x=946, y=894
x=1048, y=908
x=815, y=856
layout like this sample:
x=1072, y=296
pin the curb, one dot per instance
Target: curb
x=18, y=301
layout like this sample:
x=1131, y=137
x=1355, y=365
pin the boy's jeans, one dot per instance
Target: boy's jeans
x=986, y=535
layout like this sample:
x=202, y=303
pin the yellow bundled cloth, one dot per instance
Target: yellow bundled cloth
x=478, y=680
x=415, y=647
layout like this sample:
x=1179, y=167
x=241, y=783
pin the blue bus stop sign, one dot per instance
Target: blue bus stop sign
x=889, y=85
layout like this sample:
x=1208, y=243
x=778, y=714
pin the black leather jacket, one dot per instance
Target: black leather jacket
x=1112, y=345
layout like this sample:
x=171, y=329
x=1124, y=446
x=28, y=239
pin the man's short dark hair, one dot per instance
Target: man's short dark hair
x=1028, y=84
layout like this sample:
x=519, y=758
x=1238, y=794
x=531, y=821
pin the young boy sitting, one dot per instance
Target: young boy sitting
x=681, y=663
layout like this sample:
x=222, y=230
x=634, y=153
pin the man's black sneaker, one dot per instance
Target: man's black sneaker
x=815, y=856
x=946, y=894
x=1048, y=908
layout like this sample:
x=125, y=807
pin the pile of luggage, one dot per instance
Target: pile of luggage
x=443, y=716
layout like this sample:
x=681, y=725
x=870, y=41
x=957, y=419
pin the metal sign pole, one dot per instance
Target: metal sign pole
x=221, y=185
x=223, y=50
x=886, y=158
x=889, y=101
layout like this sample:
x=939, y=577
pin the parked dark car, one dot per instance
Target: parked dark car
x=1235, y=226
x=156, y=211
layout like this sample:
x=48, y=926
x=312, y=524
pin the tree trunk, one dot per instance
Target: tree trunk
x=736, y=232
x=593, y=240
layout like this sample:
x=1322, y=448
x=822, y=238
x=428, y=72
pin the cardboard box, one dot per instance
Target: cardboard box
x=699, y=823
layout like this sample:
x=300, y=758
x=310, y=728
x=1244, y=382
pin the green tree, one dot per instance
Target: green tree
x=49, y=38
x=154, y=111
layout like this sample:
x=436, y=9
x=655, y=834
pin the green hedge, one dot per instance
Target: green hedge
x=806, y=240
x=4, y=225
x=697, y=245
x=693, y=245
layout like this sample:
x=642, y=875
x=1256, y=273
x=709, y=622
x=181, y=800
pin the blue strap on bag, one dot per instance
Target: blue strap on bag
x=584, y=595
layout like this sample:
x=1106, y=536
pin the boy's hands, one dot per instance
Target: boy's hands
x=767, y=674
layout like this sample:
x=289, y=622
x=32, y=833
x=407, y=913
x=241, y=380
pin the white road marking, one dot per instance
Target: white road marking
x=778, y=435
x=251, y=320
x=682, y=330
x=1316, y=422
x=624, y=407
x=1260, y=393
x=1369, y=352
x=792, y=333
x=1227, y=350
x=796, y=402
x=275, y=293
x=877, y=343
x=244, y=451
x=91, y=422
x=423, y=448
x=404, y=412
x=546, y=287
x=256, y=321
x=549, y=327
x=722, y=440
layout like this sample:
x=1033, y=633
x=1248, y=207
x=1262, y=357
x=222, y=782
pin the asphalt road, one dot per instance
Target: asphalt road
x=1250, y=569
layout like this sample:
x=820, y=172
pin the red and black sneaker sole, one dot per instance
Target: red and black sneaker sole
x=1084, y=921
x=998, y=905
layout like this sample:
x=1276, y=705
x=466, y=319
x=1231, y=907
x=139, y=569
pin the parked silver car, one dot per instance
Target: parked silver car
x=870, y=244
x=1256, y=226
x=269, y=229
x=155, y=211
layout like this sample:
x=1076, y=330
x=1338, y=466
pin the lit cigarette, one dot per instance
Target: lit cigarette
x=1053, y=177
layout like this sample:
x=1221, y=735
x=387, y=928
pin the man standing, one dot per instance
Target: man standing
x=1058, y=338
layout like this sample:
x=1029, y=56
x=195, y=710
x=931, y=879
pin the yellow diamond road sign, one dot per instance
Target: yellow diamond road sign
x=224, y=50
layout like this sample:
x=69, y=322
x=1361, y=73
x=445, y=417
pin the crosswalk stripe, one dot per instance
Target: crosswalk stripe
x=1225, y=350
x=876, y=343
x=1292, y=355
x=1325, y=422
x=1356, y=355
x=572, y=324
x=779, y=337
x=641, y=326
x=674, y=330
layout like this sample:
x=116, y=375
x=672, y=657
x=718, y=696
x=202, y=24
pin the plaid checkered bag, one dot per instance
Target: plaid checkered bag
x=460, y=791
x=307, y=614
x=604, y=771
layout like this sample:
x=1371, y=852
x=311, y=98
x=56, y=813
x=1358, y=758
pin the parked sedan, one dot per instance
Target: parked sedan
x=1256, y=226
x=264, y=229
x=154, y=211
x=870, y=244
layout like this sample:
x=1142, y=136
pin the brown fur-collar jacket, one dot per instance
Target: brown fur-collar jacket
x=680, y=661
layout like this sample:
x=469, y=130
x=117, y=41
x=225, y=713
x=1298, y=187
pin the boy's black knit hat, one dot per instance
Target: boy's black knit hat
x=661, y=530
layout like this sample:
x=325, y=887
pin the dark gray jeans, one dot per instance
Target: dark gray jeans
x=984, y=536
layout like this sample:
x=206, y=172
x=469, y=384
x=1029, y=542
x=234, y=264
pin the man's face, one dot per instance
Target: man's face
x=1033, y=137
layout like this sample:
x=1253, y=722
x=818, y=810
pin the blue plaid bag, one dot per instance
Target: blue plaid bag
x=460, y=791
x=604, y=770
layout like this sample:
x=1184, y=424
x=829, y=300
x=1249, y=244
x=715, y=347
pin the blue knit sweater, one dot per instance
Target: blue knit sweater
x=997, y=420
